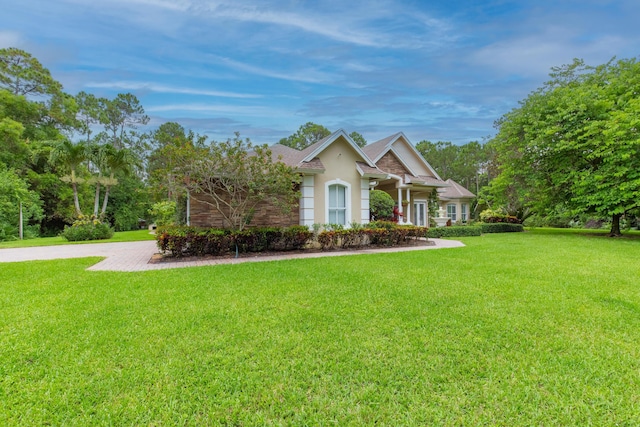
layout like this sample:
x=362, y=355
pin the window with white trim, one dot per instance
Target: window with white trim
x=463, y=212
x=337, y=206
x=451, y=212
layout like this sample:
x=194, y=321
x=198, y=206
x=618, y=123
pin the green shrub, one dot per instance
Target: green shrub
x=501, y=227
x=163, y=213
x=455, y=231
x=187, y=241
x=380, y=205
x=86, y=228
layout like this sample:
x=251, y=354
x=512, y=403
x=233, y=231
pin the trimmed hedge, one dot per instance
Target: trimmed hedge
x=455, y=231
x=379, y=233
x=192, y=241
x=501, y=227
x=180, y=241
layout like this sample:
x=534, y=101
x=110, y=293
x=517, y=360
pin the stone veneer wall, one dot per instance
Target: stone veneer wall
x=390, y=164
x=266, y=215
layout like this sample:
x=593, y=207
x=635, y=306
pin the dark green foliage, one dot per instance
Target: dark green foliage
x=455, y=231
x=501, y=227
x=380, y=205
x=192, y=241
x=87, y=229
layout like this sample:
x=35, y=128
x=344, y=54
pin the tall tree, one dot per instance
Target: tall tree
x=358, y=139
x=115, y=162
x=575, y=142
x=71, y=156
x=89, y=111
x=308, y=134
x=22, y=74
x=120, y=114
x=170, y=143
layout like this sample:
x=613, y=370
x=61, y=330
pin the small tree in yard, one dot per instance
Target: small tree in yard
x=234, y=177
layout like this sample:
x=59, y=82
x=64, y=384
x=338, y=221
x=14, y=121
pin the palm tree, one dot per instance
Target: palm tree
x=115, y=161
x=97, y=155
x=71, y=156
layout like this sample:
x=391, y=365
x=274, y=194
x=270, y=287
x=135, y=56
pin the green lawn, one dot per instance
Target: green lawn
x=120, y=236
x=537, y=328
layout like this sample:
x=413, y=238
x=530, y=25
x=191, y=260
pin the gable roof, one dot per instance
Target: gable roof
x=307, y=159
x=379, y=148
x=455, y=191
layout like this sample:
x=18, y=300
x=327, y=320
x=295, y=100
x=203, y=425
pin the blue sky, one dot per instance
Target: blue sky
x=436, y=70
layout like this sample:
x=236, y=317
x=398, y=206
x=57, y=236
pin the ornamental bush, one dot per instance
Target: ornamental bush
x=181, y=241
x=455, y=231
x=87, y=228
x=501, y=227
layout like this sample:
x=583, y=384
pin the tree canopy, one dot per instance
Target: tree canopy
x=308, y=134
x=574, y=143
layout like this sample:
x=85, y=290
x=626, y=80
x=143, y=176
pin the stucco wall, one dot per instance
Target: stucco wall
x=339, y=160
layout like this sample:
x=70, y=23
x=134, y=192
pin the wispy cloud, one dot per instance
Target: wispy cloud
x=239, y=110
x=9, y=39
x=308, y=75
x=152, y=87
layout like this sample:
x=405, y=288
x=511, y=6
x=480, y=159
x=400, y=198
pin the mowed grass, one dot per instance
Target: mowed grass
x=120, y=236
x=528, y=328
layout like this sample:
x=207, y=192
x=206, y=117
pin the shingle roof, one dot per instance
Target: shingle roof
x=375, y=149
x=456, y=191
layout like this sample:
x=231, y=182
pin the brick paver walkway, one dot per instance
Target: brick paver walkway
x=135, y=256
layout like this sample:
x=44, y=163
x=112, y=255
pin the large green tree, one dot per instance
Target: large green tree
x=22, y=74
x=575, y=142
x=308, y=134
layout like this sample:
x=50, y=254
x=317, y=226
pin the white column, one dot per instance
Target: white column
x=307, y=206
x=399, y=202
x=188, y=208
x=364, y=201
x=407, y=215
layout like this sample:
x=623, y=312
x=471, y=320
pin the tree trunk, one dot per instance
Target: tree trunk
x=96, y=200
x=615, y=226
x=74, y=185
x=76, y=202
x=104, y=202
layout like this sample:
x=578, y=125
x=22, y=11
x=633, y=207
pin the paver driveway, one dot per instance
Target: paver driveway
x=135, y=256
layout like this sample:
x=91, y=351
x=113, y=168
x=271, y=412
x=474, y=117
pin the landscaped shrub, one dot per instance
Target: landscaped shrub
x=185, y=241
x=491, y=216
x=380, y=204
x=85, y=228
x=501, y=228
x=455, y=231
x=163, y=213
x=377, y=233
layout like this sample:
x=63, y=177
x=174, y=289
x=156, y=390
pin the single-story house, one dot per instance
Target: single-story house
x=337, y=176
x=456, y=200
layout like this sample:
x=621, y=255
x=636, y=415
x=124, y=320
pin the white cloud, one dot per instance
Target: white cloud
x=10, y=39
x=128, y=85
x=236, y=110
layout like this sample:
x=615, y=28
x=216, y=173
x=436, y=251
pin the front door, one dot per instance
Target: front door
x=420, y=214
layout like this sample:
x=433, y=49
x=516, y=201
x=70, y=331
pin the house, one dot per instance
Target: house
x=455, y=200
x=337, y=176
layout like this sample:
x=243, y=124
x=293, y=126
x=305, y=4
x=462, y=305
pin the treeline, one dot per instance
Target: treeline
x=66, y=156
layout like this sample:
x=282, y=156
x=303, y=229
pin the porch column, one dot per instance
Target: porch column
x=407, y=215
x=399, y=203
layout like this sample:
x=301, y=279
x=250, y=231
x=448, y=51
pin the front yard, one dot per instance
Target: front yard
x=533, y=328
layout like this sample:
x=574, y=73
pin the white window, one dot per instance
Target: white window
x=463, y=212
x=451, y=212
x=337, y=206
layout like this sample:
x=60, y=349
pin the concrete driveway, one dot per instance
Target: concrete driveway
x=135, y=256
